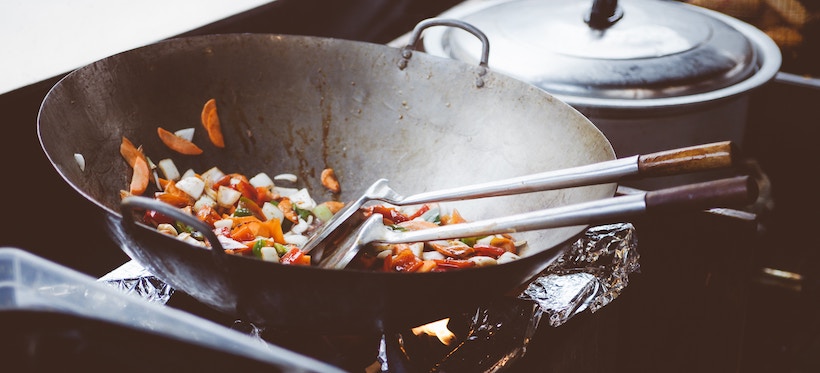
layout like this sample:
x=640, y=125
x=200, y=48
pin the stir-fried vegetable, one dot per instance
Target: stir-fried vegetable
x=255, y=217
x=433, y=256
x=253, y=220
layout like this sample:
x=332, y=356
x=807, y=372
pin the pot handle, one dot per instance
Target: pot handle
x=128, y=204
x=407, y=51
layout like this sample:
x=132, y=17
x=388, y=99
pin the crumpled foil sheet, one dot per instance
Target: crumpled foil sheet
x=132, y=278
x=590, y=275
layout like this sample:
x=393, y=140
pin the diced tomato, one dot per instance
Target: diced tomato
x=224, y=181
x=263, y=195
x=294, y=256
x=389, y=213
x=243, y=186
x=208, y=215
x=155, y=218
x=405, y=261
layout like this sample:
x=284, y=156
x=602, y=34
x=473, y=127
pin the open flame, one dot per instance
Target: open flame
x=437, y=329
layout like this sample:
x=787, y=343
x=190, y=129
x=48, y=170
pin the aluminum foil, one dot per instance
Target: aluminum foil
x=590, y=275
x=132, y=278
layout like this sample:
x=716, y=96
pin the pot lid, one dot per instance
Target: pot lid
x=638, y=49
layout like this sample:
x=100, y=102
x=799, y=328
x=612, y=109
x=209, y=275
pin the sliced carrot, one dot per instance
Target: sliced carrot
x=334, y=206
x=286, y=206
x=176, y=143
x=174, y=199
x=210, y=120
x=130, y=152
x=275, y=230
x=329, y=180
x=243, y=233
x=140, y=178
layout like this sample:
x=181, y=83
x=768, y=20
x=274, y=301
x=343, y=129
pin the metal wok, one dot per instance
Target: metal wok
x=295, y=104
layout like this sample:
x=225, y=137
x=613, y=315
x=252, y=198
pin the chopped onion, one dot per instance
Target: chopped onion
x=193, y=186
x=288, y=177
x=296, y=239
x=285, y=192
x=188, y=173
x=507, y=257
x=300, y=228
x=272, y=211
x=261, y=180
x=431, y=255
x=302, y=199
x=186, y=133
x=269, y=254
x=169, y=169
x=483, y=261
x=80, y=161
x=230, y=243
x=223, y=223
x=226, y=197
x=212, y=175
x=204, y=201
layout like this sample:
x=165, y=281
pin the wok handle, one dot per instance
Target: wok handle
x=130, y=203
x=689, y=159
x=407, y=51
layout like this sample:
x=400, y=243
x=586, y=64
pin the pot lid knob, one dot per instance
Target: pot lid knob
x=604, y=13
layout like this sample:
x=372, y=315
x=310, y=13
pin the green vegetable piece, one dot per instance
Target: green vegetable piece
x=303, y=214
x=322, y=212
x=242, y=211
x=469, y=241
x=257, y=248
x=280, y=249
x=182, y=227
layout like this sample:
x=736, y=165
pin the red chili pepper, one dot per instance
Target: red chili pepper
x=489, y=250
x=389, y=213
x=450, y=264
x=419, y=212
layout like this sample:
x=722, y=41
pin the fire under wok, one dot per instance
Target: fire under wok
x=298, y=104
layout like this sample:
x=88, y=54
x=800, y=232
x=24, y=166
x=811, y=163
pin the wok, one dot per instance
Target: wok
x=298, y=104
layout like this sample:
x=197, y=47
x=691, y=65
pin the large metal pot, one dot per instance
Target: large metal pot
x=651, y=74
x=298, y=105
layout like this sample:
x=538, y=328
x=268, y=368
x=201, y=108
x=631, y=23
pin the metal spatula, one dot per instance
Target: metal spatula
x=670, y=162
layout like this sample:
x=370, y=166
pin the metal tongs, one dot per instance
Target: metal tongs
x=692, y=197
x=670, y=162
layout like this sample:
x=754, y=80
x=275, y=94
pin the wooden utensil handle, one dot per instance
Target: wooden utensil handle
x=690, y=159
x=736, y=191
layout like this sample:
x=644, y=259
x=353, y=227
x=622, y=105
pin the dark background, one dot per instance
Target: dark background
x=700, y=303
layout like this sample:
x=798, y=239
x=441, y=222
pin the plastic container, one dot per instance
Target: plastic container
x=53, y=317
